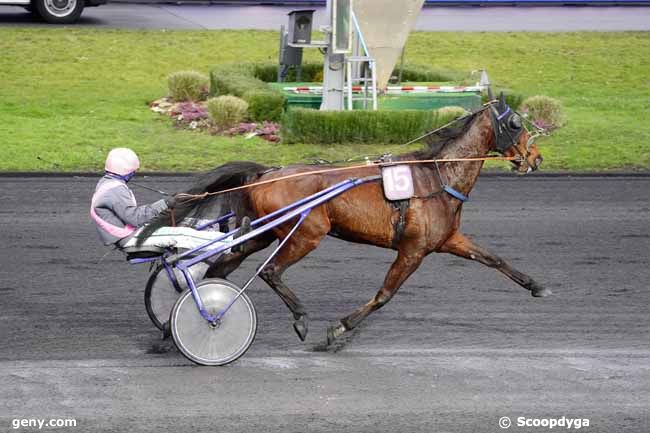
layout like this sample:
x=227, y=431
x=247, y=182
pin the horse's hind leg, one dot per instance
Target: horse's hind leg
x=461, y=246
x=404, y=265
x=305, y=240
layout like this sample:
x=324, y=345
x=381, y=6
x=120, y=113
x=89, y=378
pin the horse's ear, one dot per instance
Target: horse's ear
x=502, y=102
x=490, y=93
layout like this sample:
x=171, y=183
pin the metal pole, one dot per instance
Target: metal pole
x=333, y=71
x=350, y=106
x=282, y=45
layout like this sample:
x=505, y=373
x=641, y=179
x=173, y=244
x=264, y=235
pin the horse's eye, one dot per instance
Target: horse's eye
x=515, y=122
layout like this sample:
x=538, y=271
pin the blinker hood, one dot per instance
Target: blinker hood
x=507, y=125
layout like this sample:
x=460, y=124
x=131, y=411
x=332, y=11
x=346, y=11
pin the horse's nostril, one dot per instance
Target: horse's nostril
x=538, y=161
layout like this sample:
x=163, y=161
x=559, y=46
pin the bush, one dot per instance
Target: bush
x=241, y=80
x=309, y=72
x=187, y=86
x=265, y=104
x=335, y=127
x=422, y=73
x=452, y=112
x=545, y=112
x=226, y=111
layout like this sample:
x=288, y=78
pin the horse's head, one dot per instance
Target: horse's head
x=512, y=139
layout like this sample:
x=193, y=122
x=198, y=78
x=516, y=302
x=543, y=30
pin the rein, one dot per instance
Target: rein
x=192, y=197
x=384, y=163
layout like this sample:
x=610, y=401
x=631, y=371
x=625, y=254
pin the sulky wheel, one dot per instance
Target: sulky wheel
x=214, y=344
x=160, y=295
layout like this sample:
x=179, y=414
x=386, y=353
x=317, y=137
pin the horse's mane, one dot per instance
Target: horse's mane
x=437, y=141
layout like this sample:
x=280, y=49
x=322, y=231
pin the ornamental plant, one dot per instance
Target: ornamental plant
x=451, y=112
x=187, y=86
x=227, y=111
x=190, y=111
x=545, y=112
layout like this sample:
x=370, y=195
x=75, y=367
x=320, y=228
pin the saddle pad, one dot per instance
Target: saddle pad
x=398, y=182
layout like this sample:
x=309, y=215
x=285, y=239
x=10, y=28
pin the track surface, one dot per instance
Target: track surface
x=158, y=15
x=457, y=348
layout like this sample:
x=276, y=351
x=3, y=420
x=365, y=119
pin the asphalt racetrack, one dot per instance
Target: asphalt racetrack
x=458, y=348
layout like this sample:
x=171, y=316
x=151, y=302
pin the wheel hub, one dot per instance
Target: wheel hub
x=60, y=8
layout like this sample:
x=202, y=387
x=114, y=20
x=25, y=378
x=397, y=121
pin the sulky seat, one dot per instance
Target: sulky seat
x=143, y=252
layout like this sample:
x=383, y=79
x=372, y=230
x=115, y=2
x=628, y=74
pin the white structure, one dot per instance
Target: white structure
x=363, y=42
x=386, y=25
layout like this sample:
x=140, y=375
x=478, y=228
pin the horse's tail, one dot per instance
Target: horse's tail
x=229, y=175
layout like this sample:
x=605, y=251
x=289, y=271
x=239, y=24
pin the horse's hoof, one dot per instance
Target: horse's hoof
x=167, y=331
x=334, y=332
x=300, y=326
x=540, y=292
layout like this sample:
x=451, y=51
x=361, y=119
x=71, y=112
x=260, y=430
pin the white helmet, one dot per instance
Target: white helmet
x=122, y=161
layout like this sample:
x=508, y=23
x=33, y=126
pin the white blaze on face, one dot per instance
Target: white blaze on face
x=386, y=25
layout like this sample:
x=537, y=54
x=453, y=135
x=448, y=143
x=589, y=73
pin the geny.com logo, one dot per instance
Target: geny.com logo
x=42, y=423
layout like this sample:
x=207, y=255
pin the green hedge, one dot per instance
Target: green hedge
x=310, y=72
x=423, y=73
x=242, y=80
x=334, y=127
x=248, y=81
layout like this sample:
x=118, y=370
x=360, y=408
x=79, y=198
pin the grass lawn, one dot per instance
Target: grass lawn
x=68, y=95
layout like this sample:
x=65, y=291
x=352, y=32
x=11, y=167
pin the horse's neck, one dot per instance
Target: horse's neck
x=475, y=143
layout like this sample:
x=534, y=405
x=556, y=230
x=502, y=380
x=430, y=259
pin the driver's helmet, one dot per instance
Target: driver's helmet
x=122, y=161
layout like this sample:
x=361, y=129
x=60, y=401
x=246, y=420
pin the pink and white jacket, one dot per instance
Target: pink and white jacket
x=116, y=213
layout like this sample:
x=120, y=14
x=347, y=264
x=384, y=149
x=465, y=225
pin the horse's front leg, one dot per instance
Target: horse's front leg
x=461, y=246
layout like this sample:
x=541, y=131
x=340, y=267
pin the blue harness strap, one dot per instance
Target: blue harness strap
x=456, y=194
x=449, y=190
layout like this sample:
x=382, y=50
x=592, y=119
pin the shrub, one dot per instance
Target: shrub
x=309, y=72
x=421, y=73
x=452, y=112
x=333, y=127
x=241, y=80
x=265, y=105
x=227, y=110
x=544, y=111
x=514, y=100
x=234, y=80
x=187, y=86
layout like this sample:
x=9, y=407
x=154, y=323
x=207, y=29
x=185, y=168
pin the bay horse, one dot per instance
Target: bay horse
x=429, y=223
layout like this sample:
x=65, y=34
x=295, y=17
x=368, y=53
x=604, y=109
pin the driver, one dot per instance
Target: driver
x=119, y=219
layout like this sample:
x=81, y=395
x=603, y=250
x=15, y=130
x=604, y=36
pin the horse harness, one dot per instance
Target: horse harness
x=401, y=206
x=507, y=128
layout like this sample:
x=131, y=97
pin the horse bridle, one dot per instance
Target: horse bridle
x=508, y=127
